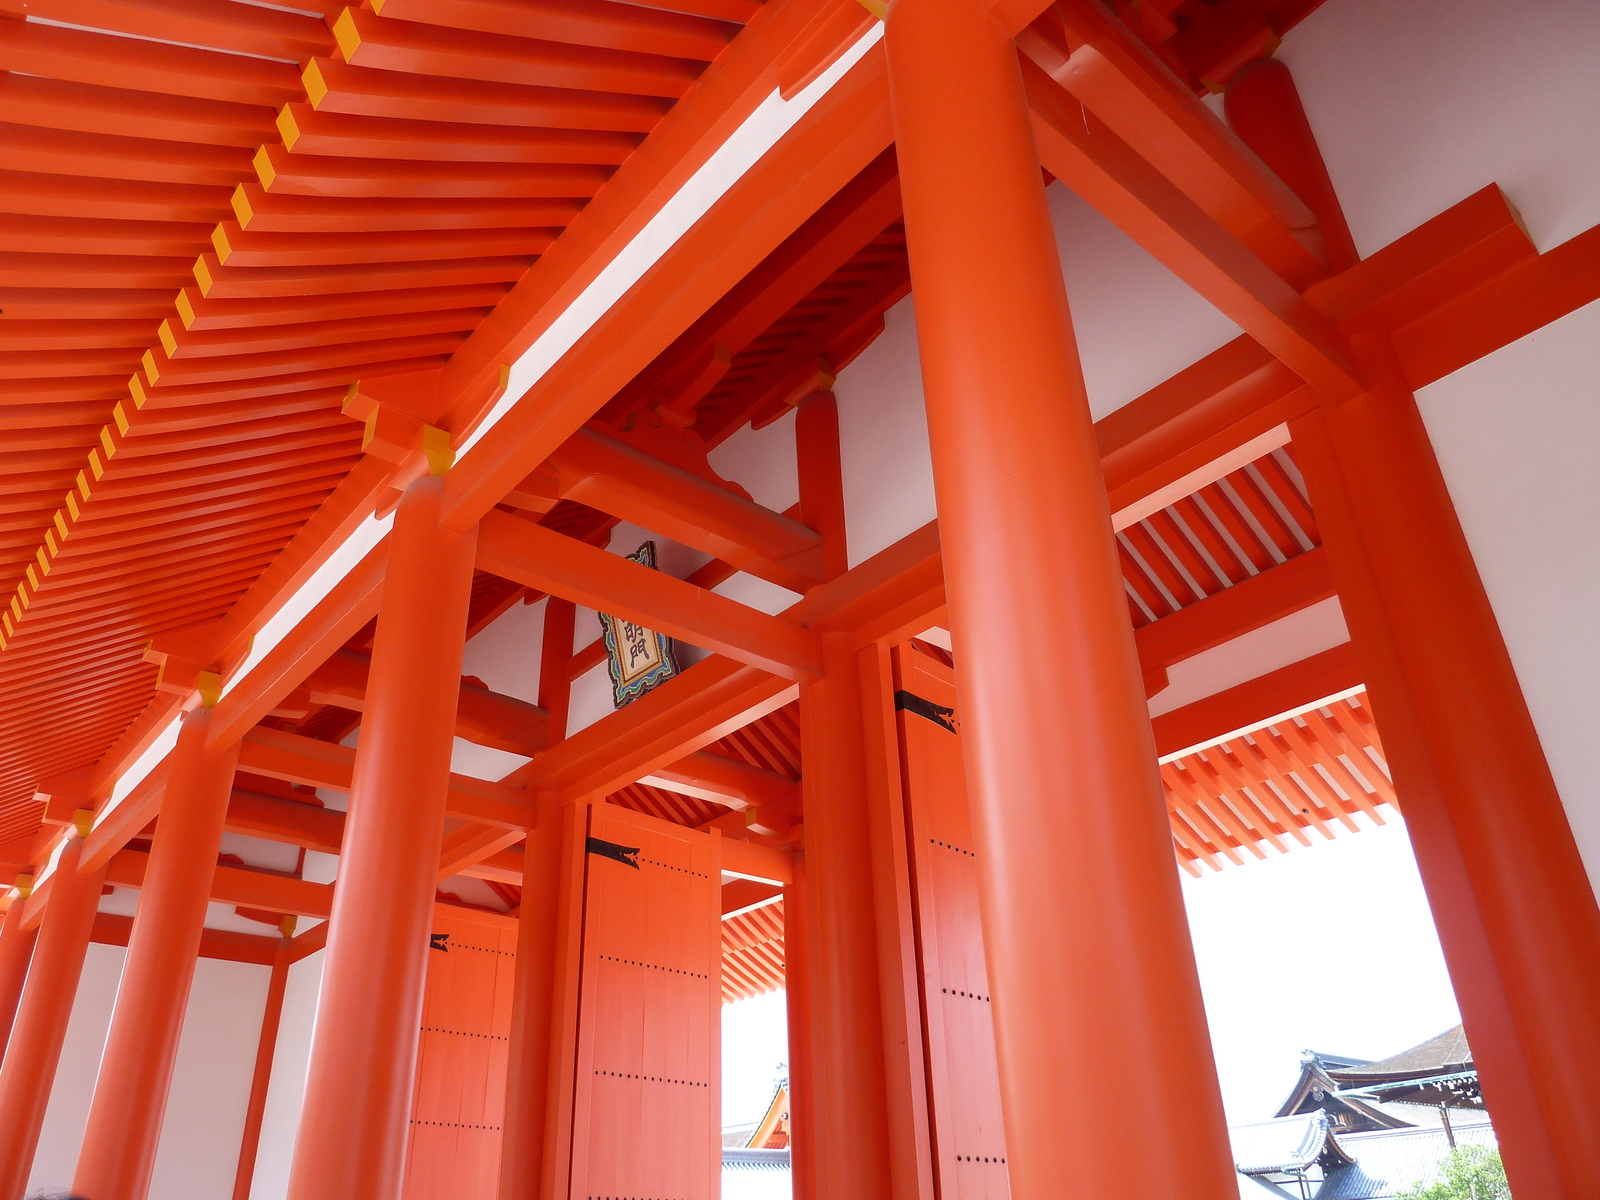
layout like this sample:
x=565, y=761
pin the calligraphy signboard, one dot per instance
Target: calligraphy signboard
x=639, y=658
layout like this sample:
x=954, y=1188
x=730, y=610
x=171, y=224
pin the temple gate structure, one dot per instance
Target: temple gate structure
x=1077, y=443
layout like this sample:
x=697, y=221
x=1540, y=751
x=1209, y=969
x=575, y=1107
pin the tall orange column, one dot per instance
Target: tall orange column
x=555, y=664
x=1510, y=898
x=797, y=1004
x=16, y=948
x=1263, y=107
x=266, y=1051
x=41, y=1025
x=1105, y=1058
x=130, y=1094
x=353, y=1127
x=1515, y=912
x=528, y=1082
x=816, y=436
x=849, y=1152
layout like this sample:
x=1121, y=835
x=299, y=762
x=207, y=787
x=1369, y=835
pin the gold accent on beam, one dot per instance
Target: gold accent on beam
x=209, y=685
x=436, y=447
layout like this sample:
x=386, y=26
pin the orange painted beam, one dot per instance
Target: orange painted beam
x=124, y=822
x=340, y=514
x=1253, y=702
x=348, y=606
x=471, y=844
x=687, y=713
x=1240, y=390
x=613, y=26
x=224, y=945
x=681, y=141
x=305, y=130
x=720, y=779
x=368, y=40
x=743, y=895
x=551, y=562
x=894, y=595
x=278, y=820
x=1501, y=310
x=1122, y=82
x=838, y=138
x=845, y=223
x=1274, y=593
x=268, y=33
x=595, y=469
x=304, y=760
x=482, y=716
x=237, y=885
x=753, y=861
x=1090, y=159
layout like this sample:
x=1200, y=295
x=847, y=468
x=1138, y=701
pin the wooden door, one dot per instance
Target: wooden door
x=968, y=1133
x=646, y=1100
x=459, y=1098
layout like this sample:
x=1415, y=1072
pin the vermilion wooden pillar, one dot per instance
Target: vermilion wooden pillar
x=1263, y=107
x=816, y=435
x=130, y=1095
x=1105, y=1058
x=528, y=1081
x=1513, y=905
x=41, y=1025
x=849, y=1148
x=1510, y=898
x=266, y=1051
x=797, y=1004
x=354, y=1124
x=555, y=664
x=16, y=948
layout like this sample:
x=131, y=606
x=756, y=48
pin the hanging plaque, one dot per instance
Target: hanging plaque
x=639, y=658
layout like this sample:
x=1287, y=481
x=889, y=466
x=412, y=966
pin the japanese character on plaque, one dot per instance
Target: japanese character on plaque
x=639, y=658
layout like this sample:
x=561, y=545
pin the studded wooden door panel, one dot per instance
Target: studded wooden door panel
x=968, y=1132
x=646, y=1102
x=459, y=1097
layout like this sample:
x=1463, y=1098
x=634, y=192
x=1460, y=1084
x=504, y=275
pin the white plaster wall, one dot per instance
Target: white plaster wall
x=199, y=1153
x=1517, y=435
x=1417, y=106
x=505, y=654
x=287, y=1091
x=1278, y=644
x=883, y=439
x=1136, y=323
x=199, y=1148
x=68, y=1110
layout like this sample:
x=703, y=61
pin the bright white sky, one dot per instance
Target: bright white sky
x=1329, y=948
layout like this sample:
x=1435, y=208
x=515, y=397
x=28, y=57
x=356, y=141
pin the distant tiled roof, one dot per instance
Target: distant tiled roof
x=1284, y=1144
x=1391, y=1159
x=1440, y=1055
x=1316, y=1090
x=745, y=1159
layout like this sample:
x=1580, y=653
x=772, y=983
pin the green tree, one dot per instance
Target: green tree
x=1468, y=1173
